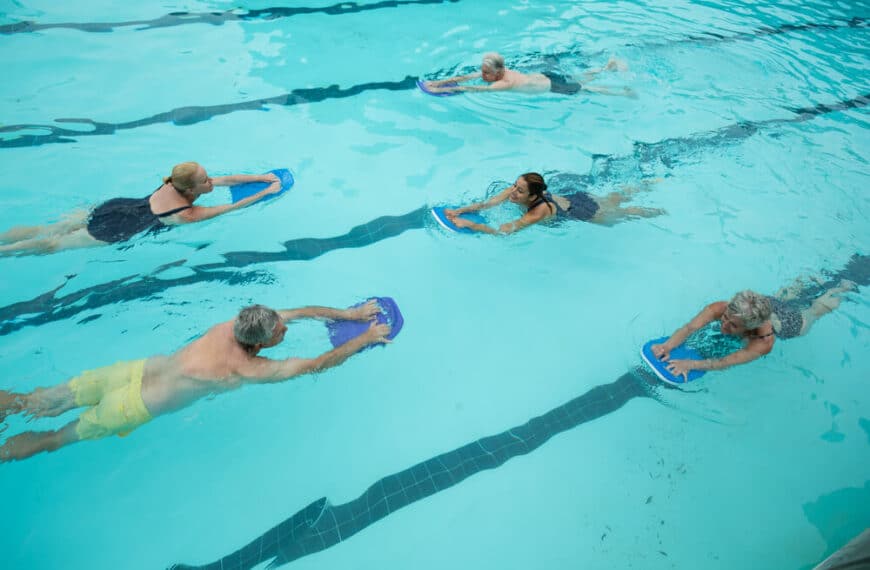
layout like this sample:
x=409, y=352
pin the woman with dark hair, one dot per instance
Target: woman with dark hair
x=530, y=192
x=119, y=219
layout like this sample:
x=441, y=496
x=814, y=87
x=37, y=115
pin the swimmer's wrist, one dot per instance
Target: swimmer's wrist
x=348, y=314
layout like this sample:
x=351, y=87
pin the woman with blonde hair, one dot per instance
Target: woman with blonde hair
x=119, y=219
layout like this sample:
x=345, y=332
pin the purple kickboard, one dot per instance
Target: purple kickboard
x=342, y=331
x=422, y=85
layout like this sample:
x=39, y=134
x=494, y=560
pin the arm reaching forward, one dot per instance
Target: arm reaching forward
x=264, y=370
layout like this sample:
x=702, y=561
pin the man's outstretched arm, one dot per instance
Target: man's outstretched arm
x=365, y=312
x=264, y=370
x=454, y=79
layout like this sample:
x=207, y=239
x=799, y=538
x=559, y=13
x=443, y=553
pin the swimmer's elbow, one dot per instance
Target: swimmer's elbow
x=314, y=365
x=513, y=227
x=302, y=366
x=199, y=214
x=273, y=371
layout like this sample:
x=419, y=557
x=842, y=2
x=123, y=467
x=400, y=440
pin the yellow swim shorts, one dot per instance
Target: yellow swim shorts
x=115, y=396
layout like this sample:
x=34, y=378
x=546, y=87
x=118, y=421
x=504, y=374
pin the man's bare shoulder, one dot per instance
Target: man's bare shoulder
x=221, y=329
x=514, y=77
x=527, y=81
x=215, y=355
x=253, y=367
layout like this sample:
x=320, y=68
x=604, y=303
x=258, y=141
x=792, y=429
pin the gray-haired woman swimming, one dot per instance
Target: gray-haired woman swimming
x=756, y=319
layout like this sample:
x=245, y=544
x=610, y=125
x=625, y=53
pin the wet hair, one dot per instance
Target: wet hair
x=750, y=307
x=493, y=61
x=255, y=325
x=536, y=184
x=182, y=177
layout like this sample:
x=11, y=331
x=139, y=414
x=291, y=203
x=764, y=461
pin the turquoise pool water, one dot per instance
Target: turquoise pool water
x=755, y=118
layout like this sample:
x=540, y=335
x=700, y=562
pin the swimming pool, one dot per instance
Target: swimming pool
x=753, y=118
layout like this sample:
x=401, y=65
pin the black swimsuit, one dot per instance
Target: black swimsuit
x=581, y=207
x=119, y=219
x=560, y=84
x=543, y=199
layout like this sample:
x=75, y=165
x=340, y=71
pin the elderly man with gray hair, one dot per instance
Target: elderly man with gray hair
x=121, y=397
x=499, y=78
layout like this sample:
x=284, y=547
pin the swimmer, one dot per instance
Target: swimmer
x=125, y=395
x=530, y=192
x=119, y=219
x=499, y=78
x=757, y=320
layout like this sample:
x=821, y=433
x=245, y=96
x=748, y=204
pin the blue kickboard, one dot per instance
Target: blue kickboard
x=342, y=331
x=682, y=352
x=242, y=191
x=441, y=218
x=422, y=86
